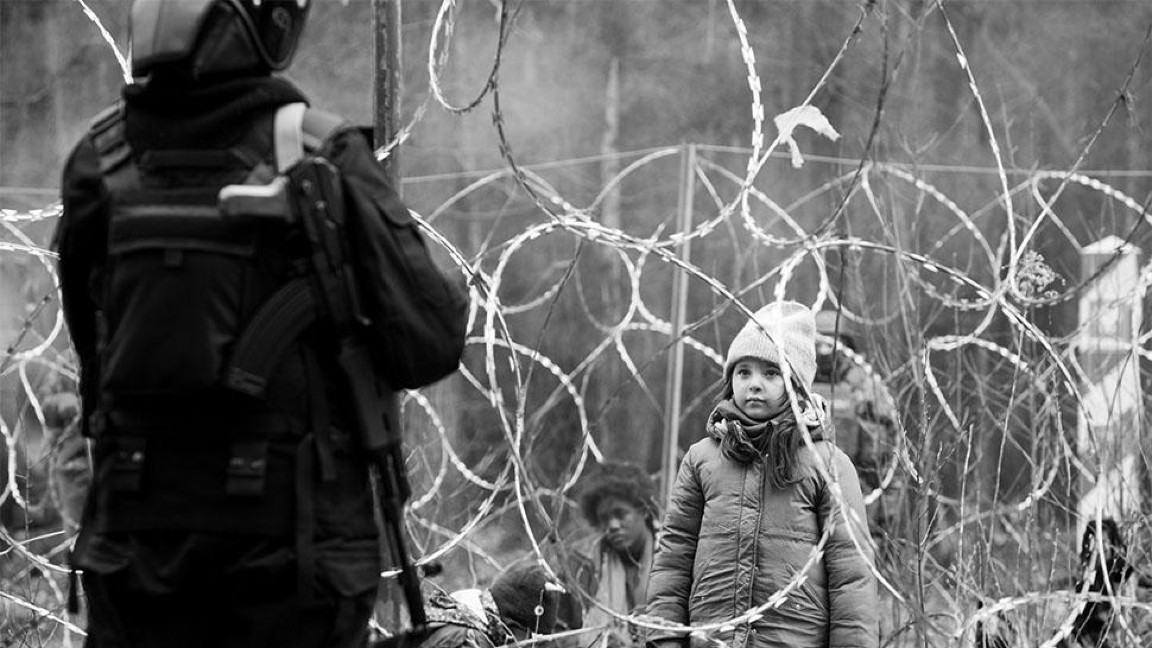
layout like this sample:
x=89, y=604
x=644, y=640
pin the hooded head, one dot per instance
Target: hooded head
x=203, y=38
x=793, y=330
x=527, y=599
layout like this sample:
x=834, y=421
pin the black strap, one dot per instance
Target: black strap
x=305, y=516
x=305, y=468
x=319, y=416
x=317, y=127
x=110, y=139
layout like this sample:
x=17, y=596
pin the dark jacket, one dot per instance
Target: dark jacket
x=730, y=541
x=326, y=521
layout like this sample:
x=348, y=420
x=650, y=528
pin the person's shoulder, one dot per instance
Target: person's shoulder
x=704, y=447
x=347, y=146
x=827, y=454
x=822, y=449
x=452, y=635
x=82, y=163
x=108, y=123
x=704, y=451
x=836, y=455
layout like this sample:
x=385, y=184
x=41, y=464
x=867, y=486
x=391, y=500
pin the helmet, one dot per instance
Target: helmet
x=215, y=36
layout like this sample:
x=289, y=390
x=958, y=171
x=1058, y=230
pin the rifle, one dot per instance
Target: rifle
x=310, y=193
x=318, y=204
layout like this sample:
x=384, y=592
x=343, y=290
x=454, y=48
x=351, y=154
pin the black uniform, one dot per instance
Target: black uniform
x=214, y=519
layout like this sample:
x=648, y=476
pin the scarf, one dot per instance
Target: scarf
x=744, y=440
x=623, y=584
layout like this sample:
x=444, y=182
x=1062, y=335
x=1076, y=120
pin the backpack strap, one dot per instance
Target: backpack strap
x=288, y=135
x=300, y=130
x=317, y=127
x=108, y=133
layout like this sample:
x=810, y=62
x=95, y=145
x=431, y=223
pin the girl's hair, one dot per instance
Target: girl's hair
x=782, y=445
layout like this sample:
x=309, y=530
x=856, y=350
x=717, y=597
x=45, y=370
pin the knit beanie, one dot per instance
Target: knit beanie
x=792, y=326
x=521, y=592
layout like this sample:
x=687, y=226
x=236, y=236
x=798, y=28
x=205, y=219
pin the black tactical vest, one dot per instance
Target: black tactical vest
x=182, y=284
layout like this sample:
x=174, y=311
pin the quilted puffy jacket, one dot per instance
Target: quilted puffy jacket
x=730, y=541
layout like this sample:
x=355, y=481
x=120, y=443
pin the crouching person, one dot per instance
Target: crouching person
x=521, y=603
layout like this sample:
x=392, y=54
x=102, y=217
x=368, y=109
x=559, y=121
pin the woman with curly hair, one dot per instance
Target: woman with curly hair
x=619, y=501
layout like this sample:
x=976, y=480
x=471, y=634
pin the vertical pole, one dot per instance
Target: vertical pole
x=387, y=84
x=1109, y=436
x=675, y=382
x=386, y=94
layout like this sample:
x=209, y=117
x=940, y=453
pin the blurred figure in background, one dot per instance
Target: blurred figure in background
x=618, y=500
x=862, y=416
x=52, y=469
x=522, y=602
x=69, y=462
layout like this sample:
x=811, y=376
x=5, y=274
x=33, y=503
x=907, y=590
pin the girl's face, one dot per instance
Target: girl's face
x=758, y=388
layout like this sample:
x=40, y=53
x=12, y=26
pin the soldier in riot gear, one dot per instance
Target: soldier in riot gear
x=231, y=503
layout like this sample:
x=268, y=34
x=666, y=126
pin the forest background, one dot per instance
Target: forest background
x=983, y=144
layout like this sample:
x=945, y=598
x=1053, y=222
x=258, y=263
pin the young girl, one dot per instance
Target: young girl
x=749, y=505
